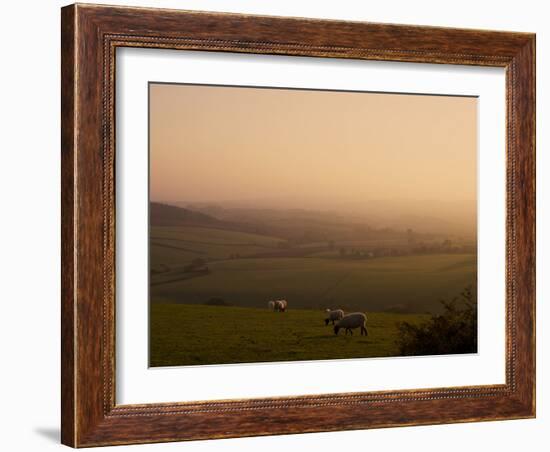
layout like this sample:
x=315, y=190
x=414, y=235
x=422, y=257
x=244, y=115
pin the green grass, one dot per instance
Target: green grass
x=220, y=236
x=198, y=335
x=177, y=246
x=403, y=284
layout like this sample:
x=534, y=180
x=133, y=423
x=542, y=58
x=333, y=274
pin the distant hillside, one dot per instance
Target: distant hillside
x=167, y=215
x=301, y=225
x=458, y=218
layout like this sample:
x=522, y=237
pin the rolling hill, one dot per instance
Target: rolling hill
x=196, y=256
x=167, y=215
x=161, y=214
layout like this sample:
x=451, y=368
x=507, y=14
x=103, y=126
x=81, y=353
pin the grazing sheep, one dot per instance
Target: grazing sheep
x=333, y=316
x=271, y=305
x=351, y=321
x=280, y=305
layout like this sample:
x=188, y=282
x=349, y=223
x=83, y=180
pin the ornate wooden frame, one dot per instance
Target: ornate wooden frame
x=90, y=35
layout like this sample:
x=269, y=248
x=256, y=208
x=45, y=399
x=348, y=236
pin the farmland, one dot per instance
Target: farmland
x=195, y=335
x=211, y=279
x=309, y=281
x=176, y=246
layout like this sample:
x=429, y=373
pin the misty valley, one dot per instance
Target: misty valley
x=213, y=269
x=272, y=210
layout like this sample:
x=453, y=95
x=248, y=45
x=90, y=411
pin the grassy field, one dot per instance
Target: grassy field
x=197, y=335
x=242, y=271
x=177, y=246
x=398, y=284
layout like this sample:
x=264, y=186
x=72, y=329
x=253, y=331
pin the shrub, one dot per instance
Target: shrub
x=452, y=332
x=197, y=264
x=217, y=302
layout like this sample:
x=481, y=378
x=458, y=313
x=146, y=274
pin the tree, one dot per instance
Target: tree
x=447, y=243
x=410, y=237
x=454, y=331
x=196, y=264
x=217, y=301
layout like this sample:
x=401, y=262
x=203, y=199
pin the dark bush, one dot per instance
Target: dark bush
x=217, y=302
x=197, y=265
x=454, y=331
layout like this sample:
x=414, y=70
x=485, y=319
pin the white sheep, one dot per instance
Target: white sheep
x=280, y=305
x=271, y=305
x=333, y=316
x=352, y=321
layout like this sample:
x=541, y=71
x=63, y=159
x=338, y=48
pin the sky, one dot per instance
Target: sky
x=309, y=149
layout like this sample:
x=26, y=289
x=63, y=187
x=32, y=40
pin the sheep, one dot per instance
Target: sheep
x=277, y=305
x=333, y=316
x=281, y=305
x=351, y=321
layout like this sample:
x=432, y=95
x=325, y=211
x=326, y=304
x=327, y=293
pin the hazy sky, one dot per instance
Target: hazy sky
x=310, y=148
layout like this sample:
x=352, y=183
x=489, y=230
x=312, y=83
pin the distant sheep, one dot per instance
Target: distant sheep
x=334, y=316
x=277, y=305
x=352, y=321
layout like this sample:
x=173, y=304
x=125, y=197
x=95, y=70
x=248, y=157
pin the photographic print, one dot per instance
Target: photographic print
x=349, y=245
x=297, y=224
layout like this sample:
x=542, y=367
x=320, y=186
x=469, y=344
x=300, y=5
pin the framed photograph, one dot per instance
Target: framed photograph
x=281, y=225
